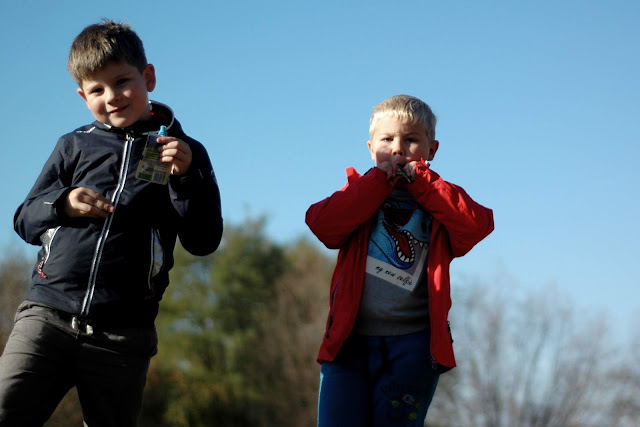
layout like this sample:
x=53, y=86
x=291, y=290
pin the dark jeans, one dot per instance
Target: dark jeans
x=378, y=381
x=45, y=357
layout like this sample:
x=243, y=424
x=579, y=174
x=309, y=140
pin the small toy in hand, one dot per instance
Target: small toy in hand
x=403, y=174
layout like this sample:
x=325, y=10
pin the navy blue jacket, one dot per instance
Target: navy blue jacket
x=114, y=271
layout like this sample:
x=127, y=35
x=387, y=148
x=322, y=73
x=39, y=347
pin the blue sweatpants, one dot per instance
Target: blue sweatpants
x=378, y=381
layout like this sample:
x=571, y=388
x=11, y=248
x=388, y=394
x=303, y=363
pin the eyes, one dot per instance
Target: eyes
x=409, y=139
x=118, y=83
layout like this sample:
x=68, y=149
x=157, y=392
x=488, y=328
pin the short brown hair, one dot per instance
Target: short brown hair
x=103, y=43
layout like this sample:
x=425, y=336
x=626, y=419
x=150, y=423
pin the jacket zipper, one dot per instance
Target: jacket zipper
x=432, y=233
x=95, y=262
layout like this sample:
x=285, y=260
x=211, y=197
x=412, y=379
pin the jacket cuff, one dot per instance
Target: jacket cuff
x=59, y=203
x=194, y=179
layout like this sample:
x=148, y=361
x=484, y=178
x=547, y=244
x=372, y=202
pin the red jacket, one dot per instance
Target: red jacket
x=343, y=221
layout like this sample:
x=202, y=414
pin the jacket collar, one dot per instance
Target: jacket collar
x=161, y=114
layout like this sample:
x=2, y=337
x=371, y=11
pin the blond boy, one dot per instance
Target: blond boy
x=397, y=228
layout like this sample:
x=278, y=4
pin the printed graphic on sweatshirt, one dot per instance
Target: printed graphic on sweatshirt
x=399, y=242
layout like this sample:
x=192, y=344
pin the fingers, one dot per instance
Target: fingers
x=84, y=202
x=177, y=153
x=409, y=171
x=390, y=171
x=398, y=174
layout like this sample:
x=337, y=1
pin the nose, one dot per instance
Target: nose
x=111, y=95
x=396, y=147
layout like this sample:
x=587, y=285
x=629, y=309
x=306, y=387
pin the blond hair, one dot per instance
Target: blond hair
x=407, y=109
x=101, y=44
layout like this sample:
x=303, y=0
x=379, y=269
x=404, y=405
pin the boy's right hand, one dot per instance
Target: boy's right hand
x=400, y=174
x=391, y=170
x=84, y=202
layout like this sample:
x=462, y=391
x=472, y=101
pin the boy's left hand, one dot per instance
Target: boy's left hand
x=405, y=174
x=409, y=171
x=176, y=152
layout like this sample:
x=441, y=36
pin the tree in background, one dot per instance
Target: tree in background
x=240, y=330
x=14, y=277
x=619, y=396
x=238, y=334
x=297, y=328
x=526, y=361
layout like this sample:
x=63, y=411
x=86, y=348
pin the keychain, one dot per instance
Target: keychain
x=150, y=167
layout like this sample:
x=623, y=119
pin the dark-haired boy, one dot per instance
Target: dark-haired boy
x=107, y=209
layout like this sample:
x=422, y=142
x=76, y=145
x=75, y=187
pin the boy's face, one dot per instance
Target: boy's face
x=400, y=143
x=118, y=95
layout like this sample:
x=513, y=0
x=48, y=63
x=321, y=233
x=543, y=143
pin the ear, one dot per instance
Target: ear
x=433, y=147
x=149, y=74
x=370, y=147
x=82, y=94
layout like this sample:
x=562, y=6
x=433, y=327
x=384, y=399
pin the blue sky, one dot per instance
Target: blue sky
x=537, y=105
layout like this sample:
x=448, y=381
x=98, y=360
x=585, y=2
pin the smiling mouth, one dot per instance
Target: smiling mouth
x=118, y=110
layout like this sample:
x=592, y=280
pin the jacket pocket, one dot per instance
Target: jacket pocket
x=47, y=241
x=156, y=261
x=332, y=306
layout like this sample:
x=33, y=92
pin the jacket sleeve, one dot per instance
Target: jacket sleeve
x=333, y=219
x=39, y=211
x=196, y=198
x=466, y=221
